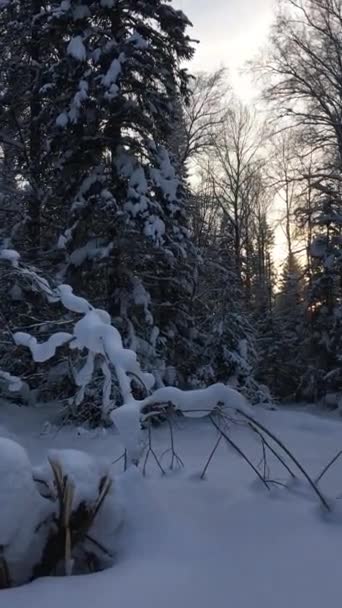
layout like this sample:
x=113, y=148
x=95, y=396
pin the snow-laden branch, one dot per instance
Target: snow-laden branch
x=193, y=403
x=13, y=383
x=95, y=334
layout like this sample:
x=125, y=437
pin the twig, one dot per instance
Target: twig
x=325, y=470
x=293, y=458
x=211, y=455
x=263, y=459
x=122, y=457
x=151, y=451
x=277, y=483
x=174, y=455
x=272, y=450
x=99, y=546
x=239, y=451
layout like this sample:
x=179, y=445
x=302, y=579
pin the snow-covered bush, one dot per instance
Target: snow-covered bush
x=62, y=517
x=100, y=345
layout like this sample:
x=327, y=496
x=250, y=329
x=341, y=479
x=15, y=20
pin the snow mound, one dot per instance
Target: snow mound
x=22, y=509
x=83, y=471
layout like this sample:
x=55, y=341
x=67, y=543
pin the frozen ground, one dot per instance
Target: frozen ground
x=224, y=541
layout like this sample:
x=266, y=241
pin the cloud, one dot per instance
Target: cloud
x=230, y=33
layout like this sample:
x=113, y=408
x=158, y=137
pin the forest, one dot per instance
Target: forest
x=165, y=246
x=152, y=193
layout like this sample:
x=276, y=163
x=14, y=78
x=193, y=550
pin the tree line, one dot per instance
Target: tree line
x=151, y=192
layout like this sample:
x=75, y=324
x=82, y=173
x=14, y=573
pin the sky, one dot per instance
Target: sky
x=230, y=33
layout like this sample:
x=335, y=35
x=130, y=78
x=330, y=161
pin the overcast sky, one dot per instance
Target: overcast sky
x=230, y=32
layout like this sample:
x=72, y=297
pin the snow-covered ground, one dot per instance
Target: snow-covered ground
x=224, y=541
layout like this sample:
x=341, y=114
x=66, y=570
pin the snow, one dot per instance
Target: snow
x=127, y=420
x=45, y=350
x=195, y=403
x=200, y=402
x=80, y=96
x=139, y=41
x=194, y=544
x=81, y=469
x=113, y=72
x=94, y=333
x=77, y=49
x=62, y=120
x=13, y=382
x=72, y=302
x=21, y=504
x=138, y=182
x=154, y=228
x=92, y=249
x=10, y=255
x=165, y=176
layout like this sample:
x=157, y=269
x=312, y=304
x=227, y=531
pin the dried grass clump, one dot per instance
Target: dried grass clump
x=74, y=510
x=67, y=545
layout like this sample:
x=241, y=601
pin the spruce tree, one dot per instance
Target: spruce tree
x=113, y=79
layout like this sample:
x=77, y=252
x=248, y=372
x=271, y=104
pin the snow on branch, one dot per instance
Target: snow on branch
x=95, y=334
x=13, y=383
x=197, y=403
x=193, y=403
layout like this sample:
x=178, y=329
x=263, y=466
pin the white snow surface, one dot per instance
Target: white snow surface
x=221, y=541
x=21, y=505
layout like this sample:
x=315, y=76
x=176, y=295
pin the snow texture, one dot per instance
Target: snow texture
x=94, y=333
x=13, y=382
x=77, y=49
x=194, y=544
x=113, y=72
x=21, y=507
x=200, y=402
x=62, y=120
x=10, y=255
x=43, y=351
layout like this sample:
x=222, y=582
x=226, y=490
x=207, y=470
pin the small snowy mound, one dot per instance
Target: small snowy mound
x=17, y=489
x=95, y=499
x=83, y=471
x=62, y=517
x=22, y=509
